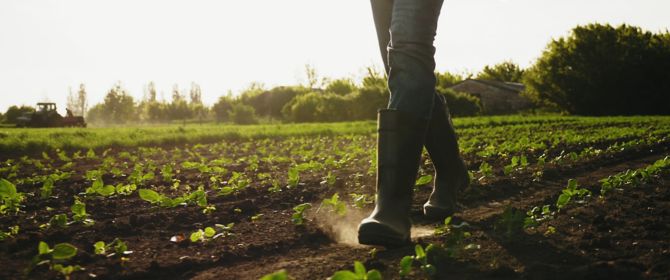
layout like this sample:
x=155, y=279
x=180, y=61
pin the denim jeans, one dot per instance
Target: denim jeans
x=406, y=31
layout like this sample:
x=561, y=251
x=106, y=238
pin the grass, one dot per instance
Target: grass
x=30, y=141
x=23, y=141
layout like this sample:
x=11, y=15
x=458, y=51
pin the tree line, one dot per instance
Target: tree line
x=598, y=69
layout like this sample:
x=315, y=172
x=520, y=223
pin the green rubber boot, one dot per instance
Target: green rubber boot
x=399, y=145
x=451, y=174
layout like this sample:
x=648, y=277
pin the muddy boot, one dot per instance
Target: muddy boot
x=451, y=174
x=399, y=145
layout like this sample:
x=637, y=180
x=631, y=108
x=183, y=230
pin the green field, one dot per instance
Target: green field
x=548, y=194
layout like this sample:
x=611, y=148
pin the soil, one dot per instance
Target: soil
x=623, y=236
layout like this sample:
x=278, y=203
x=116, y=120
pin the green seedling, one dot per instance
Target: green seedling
x=510, y=223
x=211, y=233
x=423, y=180
x=335, y=204
x=329, y=179
x=359, y=273
x=361, y=200
x=124, y=189
x=420, y=257
x=54, y=257
x=278, y=275
x=79, y=213
x=13, y=231
x=59, y=220
x=537, y=215
x=11, y=199
x=455, y=237
x=99, y=187
x=570, y=192
x=235, y=183
x=115, y=248
x=167, y=172
x=298, y=217
x=256, y=217
x=47, y=188
x=293, y=177
x=485, y=170
x=198, y=197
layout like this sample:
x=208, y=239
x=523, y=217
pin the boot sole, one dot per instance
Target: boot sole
x=377, y=235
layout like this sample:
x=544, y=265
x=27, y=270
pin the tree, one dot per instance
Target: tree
x=602, y=70
x=178, y=109
x=447, y=79
x=243, y=114
x=14, y=112
x=312, y=77
x=341, y=86
x=150, y=92
x=223, y=107
x=270, y=102
x=77, y=103
x=118, y=107
x=505, y=71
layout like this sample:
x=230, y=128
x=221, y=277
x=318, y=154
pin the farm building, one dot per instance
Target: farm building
x=496, y=97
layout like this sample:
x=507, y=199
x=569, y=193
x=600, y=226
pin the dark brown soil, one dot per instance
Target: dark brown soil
x=624, y=236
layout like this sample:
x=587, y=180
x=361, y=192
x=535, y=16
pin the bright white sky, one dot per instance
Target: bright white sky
x=47, y=46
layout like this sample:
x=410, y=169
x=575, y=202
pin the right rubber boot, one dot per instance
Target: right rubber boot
x=451, y=174
x=399, y=145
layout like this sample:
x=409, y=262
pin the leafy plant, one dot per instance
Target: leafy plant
x=235, y=183
x=570, y=192
x=298, y=217
x=47, y=188
x=278, y=275
x=421, y=258
x=99, y=187
x=55, y=256
x=13, y=231
x=211, y=233
x=329, y=179
x=116, y=247
x=293, y=177
x=537, y=215
x=167, y=172
x=361, y=200
x=423, y=180
x=511, y=222
x=59, y=220
x=455, y=237
x=359, y=273
x=79, y=213
x=485, y=170
x=198, y=197
x=335, y=204
x=11, y=199
x=517, y=164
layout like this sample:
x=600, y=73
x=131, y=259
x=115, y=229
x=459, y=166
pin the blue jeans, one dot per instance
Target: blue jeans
x=406, y=31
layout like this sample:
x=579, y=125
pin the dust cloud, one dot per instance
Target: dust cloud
x=344, y=229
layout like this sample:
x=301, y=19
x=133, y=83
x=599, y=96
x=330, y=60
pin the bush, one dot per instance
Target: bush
x=271, y=102
x=602, y=70
x=15, y=111
x=461, y=104
x=243, y=114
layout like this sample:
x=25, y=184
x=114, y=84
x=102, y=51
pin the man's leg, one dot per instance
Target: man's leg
x=411, y=56
x=402, y=127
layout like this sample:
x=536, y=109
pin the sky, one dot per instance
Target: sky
x=49, y=46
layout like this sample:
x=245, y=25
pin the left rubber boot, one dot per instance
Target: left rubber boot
x=451, y=174
x=399, y=145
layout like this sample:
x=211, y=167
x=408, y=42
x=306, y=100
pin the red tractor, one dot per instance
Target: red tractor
x=47, y=116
